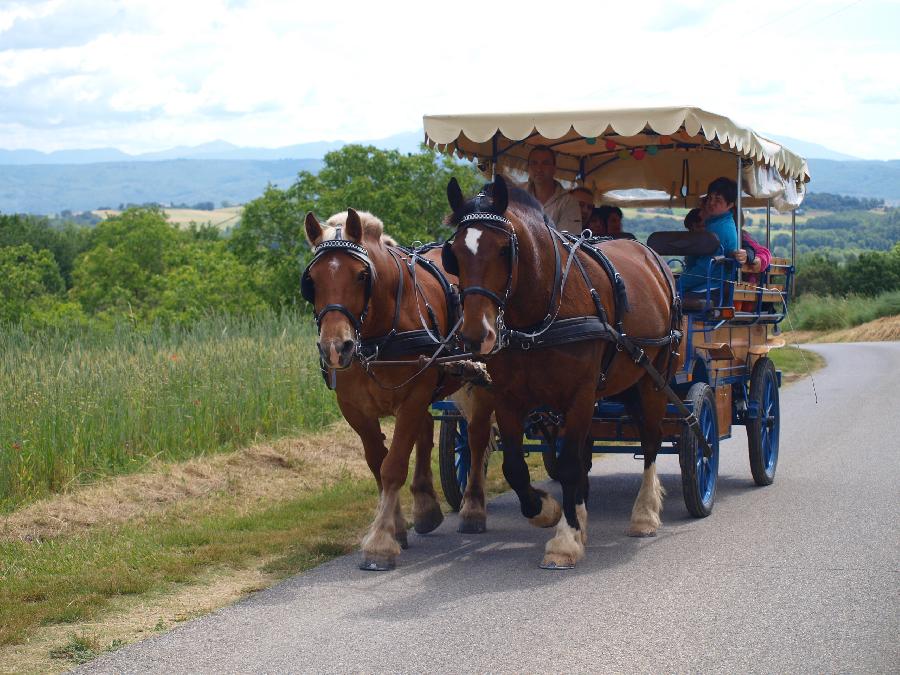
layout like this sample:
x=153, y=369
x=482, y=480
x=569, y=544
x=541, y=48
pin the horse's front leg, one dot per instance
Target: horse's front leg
x=477, y=405
x=649, y=408
x=540, y=508
x=368, y=428
x=381, y=545
x=426, y=508
x=566, y=548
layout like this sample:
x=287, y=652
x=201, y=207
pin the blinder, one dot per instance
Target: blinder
x=448, y=259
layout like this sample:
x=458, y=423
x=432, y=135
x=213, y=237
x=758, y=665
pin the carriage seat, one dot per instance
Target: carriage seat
x=684, y=243
x=689, y=243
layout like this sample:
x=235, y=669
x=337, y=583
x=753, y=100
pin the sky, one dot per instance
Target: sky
x=144, y=75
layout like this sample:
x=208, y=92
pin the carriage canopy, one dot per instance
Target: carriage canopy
x=632, y=156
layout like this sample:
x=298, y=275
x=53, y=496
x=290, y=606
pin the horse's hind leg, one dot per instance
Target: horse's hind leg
x=473, y=514
x=649, y=408
x=540, y=508
x=426, y=508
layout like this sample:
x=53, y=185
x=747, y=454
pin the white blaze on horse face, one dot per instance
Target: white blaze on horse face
x=472, y=237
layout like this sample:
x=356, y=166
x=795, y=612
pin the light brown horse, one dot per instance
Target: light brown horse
x=355, y=285
x=504, y=253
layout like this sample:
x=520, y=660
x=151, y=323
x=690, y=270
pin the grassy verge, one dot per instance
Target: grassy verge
x=827, y=313
x=71, y=579
x=84, y=404
x=78, y=578
x=795, y=362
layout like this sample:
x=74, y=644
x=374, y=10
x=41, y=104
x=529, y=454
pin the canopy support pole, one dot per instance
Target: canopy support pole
x=740, y=213
x=769, y=223
x=793, y=246
x=494, y=158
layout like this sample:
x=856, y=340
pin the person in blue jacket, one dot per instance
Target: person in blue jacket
x=720, y=198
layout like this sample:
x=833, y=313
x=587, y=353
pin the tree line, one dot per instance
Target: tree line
x=139, y=268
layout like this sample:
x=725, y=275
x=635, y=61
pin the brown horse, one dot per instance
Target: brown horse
x=511, y=265
x=363, y=289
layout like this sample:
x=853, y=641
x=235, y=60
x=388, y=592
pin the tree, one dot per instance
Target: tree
x=25, y=276
x=408, y=192
x=142, y=267
x=64, y=243
x=126, y=253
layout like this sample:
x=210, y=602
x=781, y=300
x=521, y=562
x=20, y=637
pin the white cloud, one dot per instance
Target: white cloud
x=275, y=72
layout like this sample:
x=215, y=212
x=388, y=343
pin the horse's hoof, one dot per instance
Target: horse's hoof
x=556, y=562
x=375, y=564
x=429, y=521
x=641, y=531
x=402, y=539
x=472, y=526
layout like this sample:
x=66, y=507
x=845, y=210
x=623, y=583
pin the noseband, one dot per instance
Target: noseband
x=487, y=219
x=307, y=288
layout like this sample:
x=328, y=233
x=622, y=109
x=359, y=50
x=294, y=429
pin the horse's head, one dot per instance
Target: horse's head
x=483, y=254
x=338, y=281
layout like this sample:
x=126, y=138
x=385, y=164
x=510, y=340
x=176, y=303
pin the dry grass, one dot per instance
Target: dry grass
x=255, y=475
x=885, y=329
x=131, y=619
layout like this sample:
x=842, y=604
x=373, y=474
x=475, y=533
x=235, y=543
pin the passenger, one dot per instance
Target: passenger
x=585, y=199
x=720, y=198
x=558, y=204
x=608, y=223
x=751, y=254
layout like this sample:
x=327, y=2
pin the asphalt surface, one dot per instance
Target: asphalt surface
x=801, y=576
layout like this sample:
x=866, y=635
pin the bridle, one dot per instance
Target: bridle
x=488, y=220
x=307, y=288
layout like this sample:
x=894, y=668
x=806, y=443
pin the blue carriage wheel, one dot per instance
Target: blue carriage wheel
x=454, y=459
x=764, y=423
x=699, y=473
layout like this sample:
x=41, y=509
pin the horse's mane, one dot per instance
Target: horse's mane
x=517, y=197
x=372, y=227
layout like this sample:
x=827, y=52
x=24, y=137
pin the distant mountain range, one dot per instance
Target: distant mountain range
x=81, y=180
x=218, y=150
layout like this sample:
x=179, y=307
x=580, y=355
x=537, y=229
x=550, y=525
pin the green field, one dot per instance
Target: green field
x=92, y=403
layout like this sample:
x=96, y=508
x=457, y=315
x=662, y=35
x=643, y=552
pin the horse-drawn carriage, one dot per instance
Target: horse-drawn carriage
x=588, y=344
x=660, y=157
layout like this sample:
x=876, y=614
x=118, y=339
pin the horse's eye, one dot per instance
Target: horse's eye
x=362, y=276
x=505, y=251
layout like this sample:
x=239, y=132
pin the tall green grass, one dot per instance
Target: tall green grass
x=813, y=312
x=83, y=403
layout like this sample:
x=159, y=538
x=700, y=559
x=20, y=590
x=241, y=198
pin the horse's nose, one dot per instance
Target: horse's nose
x=471, y=345
x=337, y=353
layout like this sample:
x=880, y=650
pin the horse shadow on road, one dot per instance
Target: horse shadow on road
x=447, y=568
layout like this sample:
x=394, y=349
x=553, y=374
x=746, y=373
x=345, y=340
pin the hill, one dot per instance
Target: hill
x=44, y=189
x=863, y=178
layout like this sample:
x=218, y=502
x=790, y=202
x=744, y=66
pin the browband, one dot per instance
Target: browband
x=484, y=216
x=343, y=244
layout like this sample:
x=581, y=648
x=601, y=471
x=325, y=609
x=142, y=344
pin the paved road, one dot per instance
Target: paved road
x=801, y=576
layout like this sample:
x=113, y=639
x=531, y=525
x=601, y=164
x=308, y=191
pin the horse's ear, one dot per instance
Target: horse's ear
x=314, y=230
x=454, y=195
x=353, y=228
x=500, y=195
